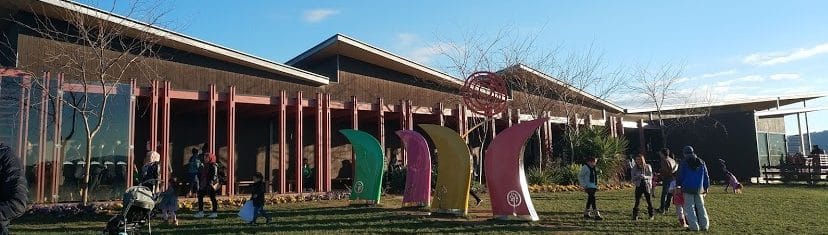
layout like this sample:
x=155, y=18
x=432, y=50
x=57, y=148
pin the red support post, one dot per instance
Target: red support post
x=131, y=132
x=588, y=121
x=41, y=150
x=299, y=149
x=460, y=119
x=318, y=146
x=153, y=141
x=440, y=116
x=211, y=120
x=231, y=140
x=642, y=146
x=165, y=135
x=57, y=161
x=620, y=126
x=25, y=96
x=355, y=126
x=509, y=117
x=283, y=163
x=403, y=126
x=410, y=113
x=517, y=116
x=327, y=161
x=610, y=126
x=381, y=123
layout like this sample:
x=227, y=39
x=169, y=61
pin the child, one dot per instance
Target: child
x=258, y=198
x=169, y=203
x=733, y=183
x=588, y=177
x=678, y=201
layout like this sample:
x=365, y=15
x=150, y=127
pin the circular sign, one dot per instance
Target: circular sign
x=514, y=198
x=485, y=93
x=359, y=186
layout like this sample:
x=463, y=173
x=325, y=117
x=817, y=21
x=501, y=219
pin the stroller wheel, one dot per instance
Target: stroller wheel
x=115, y=225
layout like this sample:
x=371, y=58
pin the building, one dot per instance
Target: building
x=255, y=114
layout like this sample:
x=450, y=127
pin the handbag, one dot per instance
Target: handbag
x=248, y=211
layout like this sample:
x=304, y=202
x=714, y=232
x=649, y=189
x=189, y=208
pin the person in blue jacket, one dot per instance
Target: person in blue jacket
x=588, y=177
x=693, y=181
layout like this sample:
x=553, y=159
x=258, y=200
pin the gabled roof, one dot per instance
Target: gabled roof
x=587, y=97
x=749, y=104
x=343, y=45
x=59, y=8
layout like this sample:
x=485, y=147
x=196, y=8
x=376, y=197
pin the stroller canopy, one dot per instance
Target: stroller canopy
x=139, y=196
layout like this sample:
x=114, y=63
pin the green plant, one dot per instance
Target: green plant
x=566, y=175
x=538, y=176
x=596, y=142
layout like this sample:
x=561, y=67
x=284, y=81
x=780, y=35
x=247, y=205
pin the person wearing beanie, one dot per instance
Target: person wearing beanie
x=588, y=178
x=693, y=181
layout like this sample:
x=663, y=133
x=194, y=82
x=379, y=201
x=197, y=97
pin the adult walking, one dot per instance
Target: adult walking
x=194, y=166
x=667, y=172
x=13, y=188
x=209, y=185
x=642, y=177
x=693, y=181
x=151, y=171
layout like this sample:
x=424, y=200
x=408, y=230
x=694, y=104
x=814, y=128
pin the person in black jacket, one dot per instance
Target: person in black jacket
x=13, y=188
x=259, y=199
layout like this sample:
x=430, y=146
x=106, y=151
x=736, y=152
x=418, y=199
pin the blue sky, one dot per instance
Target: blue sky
x=731, y=49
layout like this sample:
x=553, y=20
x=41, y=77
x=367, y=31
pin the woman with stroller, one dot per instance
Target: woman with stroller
x=209, y=184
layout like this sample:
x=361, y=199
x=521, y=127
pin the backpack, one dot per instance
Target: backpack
x=195, y=164
x=222, y=173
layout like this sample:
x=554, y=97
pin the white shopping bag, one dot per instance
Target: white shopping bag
x=247, y=211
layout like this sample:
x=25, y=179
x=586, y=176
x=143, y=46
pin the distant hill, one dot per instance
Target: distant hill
x=817, y=138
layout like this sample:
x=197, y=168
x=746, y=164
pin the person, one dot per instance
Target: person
x=151, y=171
x=817, y=150
x=588, y=178
x=259, y=199
x=307, y=174
x=678, y=201
x=14, y=190
x=642, y=177
x=194, y=166
x=693, y=182
x=668, y=169
x=209, y=183
x=169, y=203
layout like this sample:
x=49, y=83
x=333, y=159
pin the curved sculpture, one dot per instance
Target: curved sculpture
x=368, y=161
x=453, y=170
x=505, y=178
x=418, y=170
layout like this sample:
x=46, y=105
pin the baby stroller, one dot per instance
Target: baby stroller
x=139, y=202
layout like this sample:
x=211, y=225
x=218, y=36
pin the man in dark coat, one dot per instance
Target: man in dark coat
x=13, y=188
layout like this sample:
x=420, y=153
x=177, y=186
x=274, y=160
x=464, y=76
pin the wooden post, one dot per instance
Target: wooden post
x=517, y=116
x=211, y=120
x=319, y=145
x=619, y=125
x=641, y=144
x=440, y=117
x=57, y=161
x=153, y=140
x=509, y=117
x=283, y=163
x=231, y=140
x=25, y=95
x=381, y=123
x=403, y=126
x=588, y=121
x=165, y=135
x=299, y=150
x=131, y=139
x=327, y=139
x=355, y=126
x=41, y=150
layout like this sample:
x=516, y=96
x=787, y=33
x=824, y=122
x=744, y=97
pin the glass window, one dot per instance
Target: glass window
x=762, y=146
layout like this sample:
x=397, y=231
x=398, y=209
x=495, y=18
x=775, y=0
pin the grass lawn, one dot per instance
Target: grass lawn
x=759, y=210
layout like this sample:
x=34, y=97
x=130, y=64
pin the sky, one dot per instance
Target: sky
x=729, y=49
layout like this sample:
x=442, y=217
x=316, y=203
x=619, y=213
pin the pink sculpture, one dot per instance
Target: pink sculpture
x=418, y=172
x=505, y=177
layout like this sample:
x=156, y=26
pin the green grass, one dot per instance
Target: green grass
x=759, y=210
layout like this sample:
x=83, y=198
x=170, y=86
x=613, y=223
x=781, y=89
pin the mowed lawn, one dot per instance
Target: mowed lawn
x=759, y=210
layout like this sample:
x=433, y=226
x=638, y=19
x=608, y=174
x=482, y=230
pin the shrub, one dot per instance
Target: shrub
x=596, y=142
x=566, y=175
x=536, y=175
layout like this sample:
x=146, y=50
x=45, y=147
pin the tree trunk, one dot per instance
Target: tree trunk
x=88, y=168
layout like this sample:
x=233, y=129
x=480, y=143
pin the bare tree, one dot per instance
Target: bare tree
x=97, y=51
x=658, y=87
x=533, y=91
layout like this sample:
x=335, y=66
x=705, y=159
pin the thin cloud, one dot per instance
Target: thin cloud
x=427, y=54
x=718, y=74
x=785, y=76
x=318, y=15
x=774, y=58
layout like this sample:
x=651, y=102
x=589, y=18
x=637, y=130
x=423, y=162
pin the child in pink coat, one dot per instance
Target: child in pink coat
x=678, y=201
